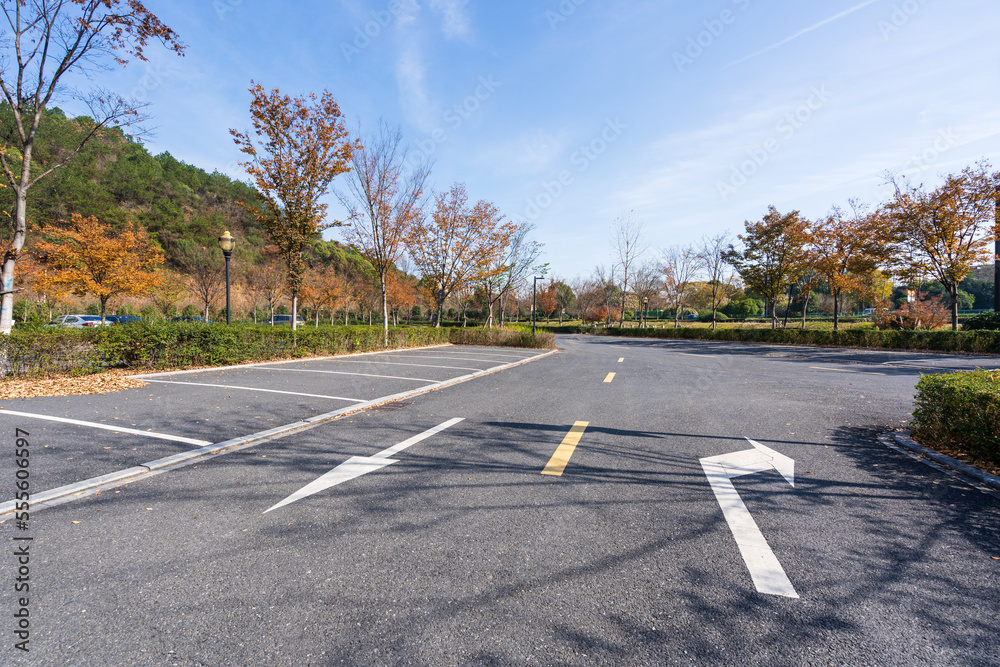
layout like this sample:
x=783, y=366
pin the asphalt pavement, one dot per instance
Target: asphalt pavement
x=620, y=502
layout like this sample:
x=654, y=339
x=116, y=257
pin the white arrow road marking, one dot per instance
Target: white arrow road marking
x=765, y=570
x=360, y=465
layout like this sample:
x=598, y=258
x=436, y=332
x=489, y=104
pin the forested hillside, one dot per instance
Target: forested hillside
x=116, y=179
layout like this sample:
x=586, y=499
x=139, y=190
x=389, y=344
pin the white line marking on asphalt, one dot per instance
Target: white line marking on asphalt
x=765, y=570
x=338, y=357
x=88, y=487
x=108, y=427
x=270, y=391
x=396, y=363
x=844, y=370
x=359, y=465
x=367, y=375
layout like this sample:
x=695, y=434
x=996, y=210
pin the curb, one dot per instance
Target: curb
x=88, y=487
x=981, y=476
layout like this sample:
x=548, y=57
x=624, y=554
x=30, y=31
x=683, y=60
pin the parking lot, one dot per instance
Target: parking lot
x=185, y=415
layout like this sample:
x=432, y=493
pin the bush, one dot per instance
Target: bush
x=514, y=337
x=742, y=308
x=960, y=411
x=924, y=313
x=983, y=322
x=706, y=316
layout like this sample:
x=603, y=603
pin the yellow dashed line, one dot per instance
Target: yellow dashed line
x=611, y=376
x=558, y=462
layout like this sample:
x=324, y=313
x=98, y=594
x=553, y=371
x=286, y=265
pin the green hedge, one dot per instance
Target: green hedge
x=151, y=346
x=981, y=342
x=503, y=337
x=169, y=345
x=960, y=411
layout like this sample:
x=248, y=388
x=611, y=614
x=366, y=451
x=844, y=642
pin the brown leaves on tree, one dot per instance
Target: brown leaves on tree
x=298, y=146
x=91, y=258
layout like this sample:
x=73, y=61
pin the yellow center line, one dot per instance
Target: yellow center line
x=845, y=370
x=558, y=462
x=688, y=354
x=611, y=376
x=621, y=360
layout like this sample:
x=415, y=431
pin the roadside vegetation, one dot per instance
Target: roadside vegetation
x=959, y=414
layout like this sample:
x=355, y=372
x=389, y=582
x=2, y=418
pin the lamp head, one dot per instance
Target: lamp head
x=227, y=242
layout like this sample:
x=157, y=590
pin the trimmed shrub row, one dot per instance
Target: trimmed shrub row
x=502, y=337
x=960, y=411
x=155, y=346
x=981, y=342
x=151, y=346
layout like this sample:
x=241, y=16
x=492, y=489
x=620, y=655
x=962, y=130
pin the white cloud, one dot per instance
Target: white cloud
x=455, y=20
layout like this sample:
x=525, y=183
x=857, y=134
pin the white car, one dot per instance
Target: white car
x=77, y=321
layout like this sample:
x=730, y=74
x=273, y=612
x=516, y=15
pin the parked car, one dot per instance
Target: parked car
x=122, y=319
x=187, y=318
x=285, y=319
x=78, y=321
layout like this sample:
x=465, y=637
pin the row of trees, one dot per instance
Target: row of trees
x=919, y=234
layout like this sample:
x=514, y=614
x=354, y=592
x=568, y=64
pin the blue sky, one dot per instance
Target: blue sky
x=694, y=115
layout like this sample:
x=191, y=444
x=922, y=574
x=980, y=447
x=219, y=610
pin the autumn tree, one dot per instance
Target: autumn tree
x=382, y=201
x=629, y=244
x=401, y=294
x=452, y=245
x=267, y=281
x=47, y=43
x=678, y=267
x=712, y=257
x=301, y=145
x=773, y=255
x=546, y=300
x=646, y=284
x=165, y=296
x=948, y=230
x=511, y=258
x=845, y=248
x=205, y=271
x=90, y=258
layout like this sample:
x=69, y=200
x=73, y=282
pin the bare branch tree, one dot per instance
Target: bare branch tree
x=712, y=257
x=629, y=243
x=383, y=203
x=679, y=267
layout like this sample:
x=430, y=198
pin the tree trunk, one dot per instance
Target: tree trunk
x=17, y=242
x=836, y=309
x=953, y=292
x=774, y=313
x=295, y=309
x=385, y=313
x=805, y=307
x=104, y=305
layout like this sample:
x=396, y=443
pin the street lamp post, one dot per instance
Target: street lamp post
x=227, y=243
x=534, y=293
x=645, y=310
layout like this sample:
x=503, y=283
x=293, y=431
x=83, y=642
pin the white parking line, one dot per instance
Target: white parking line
x=107, y=427
x=270, y=391
x=396, y=363
x=368, y=375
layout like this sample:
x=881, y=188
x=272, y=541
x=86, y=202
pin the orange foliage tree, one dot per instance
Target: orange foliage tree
x=846, y=249
x=947, y=231
x=90, y=258
x=301, y=146
x=45, y=43
x=453, y=245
